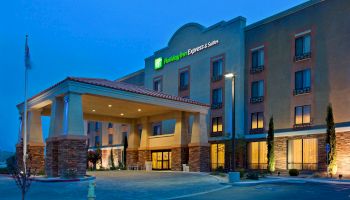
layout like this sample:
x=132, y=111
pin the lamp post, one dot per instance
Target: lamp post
x=232, y=76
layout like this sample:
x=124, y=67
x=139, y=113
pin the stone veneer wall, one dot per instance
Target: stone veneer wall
x=343, y=153
x=132, y=157
x=143, y=156
x=199, y=158
x=36, y=160
x=72, y=155
x=179, y=156
x=51, y=159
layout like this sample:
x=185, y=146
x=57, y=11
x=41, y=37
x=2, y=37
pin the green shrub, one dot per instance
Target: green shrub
x=293, y=172
x=220, y=169
x=252, y=176
x=4, y=170
x=241, y=172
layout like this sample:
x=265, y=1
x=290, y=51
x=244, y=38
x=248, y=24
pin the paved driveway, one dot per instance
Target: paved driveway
x=118, y=185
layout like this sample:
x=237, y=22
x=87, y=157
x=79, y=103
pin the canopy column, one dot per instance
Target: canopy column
x=133, y=144
x=144, y=154
x=179, y=152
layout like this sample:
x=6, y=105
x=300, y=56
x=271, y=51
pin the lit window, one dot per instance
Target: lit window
x=217, y=69
x=257, y=120
x=217, y=125
x=302, y=154
x=258, y=58
x=257, y=155
x=302, y=115
x=157, y=85
x=303, y=47
x=217, y=152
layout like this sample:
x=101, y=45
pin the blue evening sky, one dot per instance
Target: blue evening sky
x=103, y=39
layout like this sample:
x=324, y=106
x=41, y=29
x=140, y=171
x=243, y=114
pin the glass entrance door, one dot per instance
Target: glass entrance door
x=161, y=160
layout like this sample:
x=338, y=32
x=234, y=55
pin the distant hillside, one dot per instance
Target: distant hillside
x=5, y=154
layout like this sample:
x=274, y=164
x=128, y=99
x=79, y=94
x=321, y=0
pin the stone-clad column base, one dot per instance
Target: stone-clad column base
x=199, y=158
x=51, y=160
x=132, y=156
x=35, y=161
x=343, y=153
x=72, y=155
x=144, y=155
x=179, y=156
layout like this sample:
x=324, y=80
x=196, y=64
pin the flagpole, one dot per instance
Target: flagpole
x=25, y=107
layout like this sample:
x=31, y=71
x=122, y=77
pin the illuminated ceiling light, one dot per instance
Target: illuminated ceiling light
x=139, y=110
x=109, y=105
x=121, y=114
x=93, y=110
x=229, y=75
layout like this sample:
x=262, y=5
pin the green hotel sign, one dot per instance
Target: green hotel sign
x=160, y=61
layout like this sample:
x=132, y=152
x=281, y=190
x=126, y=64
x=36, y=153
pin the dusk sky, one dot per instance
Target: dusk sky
x=102, y=39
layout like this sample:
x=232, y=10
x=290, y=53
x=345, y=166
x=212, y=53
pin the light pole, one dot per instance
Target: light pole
x=232, y=76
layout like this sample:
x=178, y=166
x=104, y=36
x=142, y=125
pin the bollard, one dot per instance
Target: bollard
x=91, y=191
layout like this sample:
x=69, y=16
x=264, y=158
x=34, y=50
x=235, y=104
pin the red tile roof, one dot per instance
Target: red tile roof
x=125, y=87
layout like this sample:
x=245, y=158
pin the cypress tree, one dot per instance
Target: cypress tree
x=331, y=140
x=271, y=147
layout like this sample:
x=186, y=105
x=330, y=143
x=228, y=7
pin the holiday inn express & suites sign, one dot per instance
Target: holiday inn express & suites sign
x=160, y=62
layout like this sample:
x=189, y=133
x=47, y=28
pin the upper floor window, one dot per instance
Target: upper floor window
x=97, y=126
x=97, y=140
x=217, y=70
x=257, y=60
x=110, y=139
x=302, y=115
x=184, y=80
x=303, y=47
x=257, y=91
x=110, y=125
x=157, y=129
x=216, y=125
x=217, y=98
x=157, y=85
x=257, y=121
x=302, y=82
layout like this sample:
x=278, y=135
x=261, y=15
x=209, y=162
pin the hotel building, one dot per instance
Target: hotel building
x=207, y=86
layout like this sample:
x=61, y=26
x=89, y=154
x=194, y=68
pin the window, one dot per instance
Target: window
x=161, y=160
x=302, y=82
x=257, y=91
x=257, y=155
x=157, y=129
x=217, y=125
x=184, y=80
x=217, y=154
x=88, y=127
x=110, y=139
x=302, y=115
x=97, y=140
x=110, y=125
x=303, y=47
x=257, y=122
x=217, y=98
x=157, y=85
x=303, y=154
x=217, y=70
x=97, y=126
x=257, y=60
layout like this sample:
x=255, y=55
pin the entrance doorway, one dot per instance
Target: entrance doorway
x=161, y=160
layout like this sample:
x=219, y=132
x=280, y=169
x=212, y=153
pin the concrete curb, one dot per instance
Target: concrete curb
x=290, y=180
x=57, y=180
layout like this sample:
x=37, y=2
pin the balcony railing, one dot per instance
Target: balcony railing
x=304, y=90
x=183, y=87
x=257, y=69
x=256, y=130
x=216, y=78
x=256, y=99
x=216, y=106
x=302, y=126
x=302, y=56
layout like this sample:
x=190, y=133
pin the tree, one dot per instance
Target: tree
x=94, y=157
x=331, y=141
x=271, y=147
x=112, y=160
